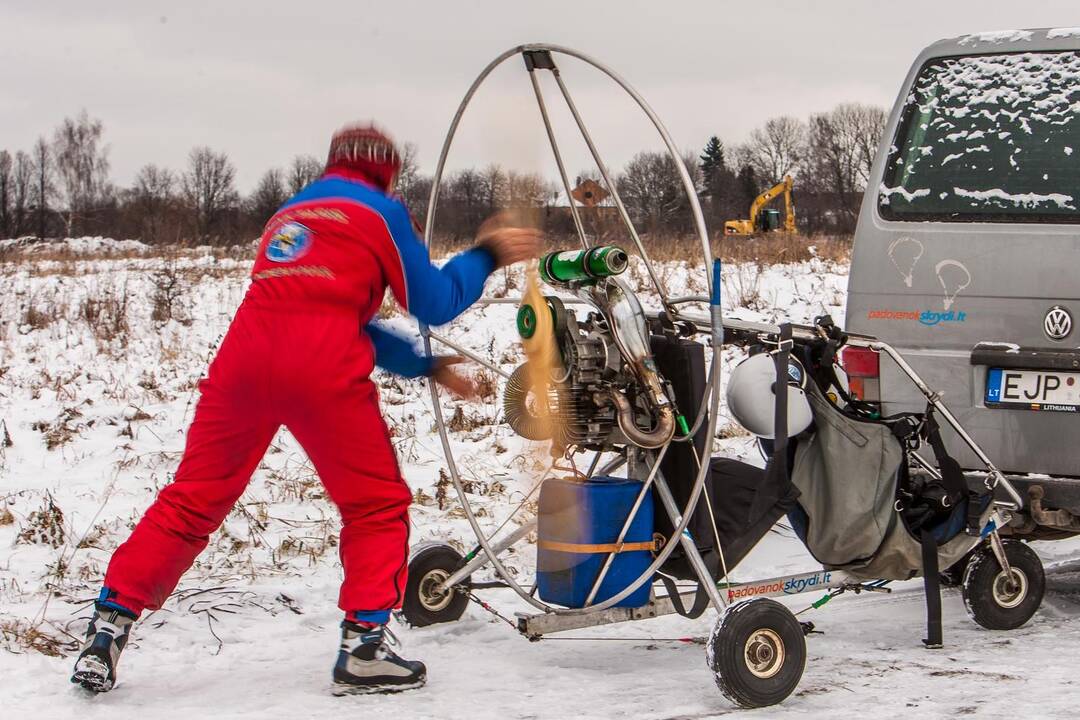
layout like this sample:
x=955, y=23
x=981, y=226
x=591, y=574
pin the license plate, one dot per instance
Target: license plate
x=1046, y=390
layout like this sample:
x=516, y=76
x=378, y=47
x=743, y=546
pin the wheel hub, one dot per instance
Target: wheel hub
x=433, y=596
x=1010, y=590
x=764, y=653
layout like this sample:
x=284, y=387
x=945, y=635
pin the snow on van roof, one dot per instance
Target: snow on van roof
x=1004, y=40
x=1069, y=32
x=996, y=36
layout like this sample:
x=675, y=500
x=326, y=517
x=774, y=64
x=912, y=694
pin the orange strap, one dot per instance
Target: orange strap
x=599, y=548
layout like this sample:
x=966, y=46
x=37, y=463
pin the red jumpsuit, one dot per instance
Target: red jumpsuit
x=299, y=353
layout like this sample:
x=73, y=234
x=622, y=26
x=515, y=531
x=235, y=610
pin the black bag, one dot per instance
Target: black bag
x=746, y=500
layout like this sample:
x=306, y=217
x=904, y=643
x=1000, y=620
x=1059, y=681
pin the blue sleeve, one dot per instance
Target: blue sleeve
x=434, y=295
x=396, y=354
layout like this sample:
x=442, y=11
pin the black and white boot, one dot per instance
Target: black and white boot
x=367, y=663
x=106, y=636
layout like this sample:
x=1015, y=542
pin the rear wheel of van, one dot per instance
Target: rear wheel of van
x=1003, y=601
x=757, y=653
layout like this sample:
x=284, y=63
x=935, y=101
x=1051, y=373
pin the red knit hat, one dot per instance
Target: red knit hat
x=366, y=150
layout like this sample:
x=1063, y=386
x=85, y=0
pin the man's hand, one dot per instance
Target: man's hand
x=507, y=241
x=443, y=373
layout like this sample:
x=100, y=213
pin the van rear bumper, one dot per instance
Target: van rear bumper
x=1040, y=493
x=1011, y=356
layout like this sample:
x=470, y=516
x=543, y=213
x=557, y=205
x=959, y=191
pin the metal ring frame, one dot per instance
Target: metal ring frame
x=680, y=520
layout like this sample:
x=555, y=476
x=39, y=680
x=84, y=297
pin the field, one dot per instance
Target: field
x=101, y=349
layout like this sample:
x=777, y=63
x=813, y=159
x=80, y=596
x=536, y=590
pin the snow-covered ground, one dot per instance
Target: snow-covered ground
x=99, y=359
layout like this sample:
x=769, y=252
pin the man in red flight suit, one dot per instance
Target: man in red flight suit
x=299, y=353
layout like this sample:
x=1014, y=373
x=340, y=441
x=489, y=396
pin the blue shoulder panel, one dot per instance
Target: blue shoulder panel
x=432, y=295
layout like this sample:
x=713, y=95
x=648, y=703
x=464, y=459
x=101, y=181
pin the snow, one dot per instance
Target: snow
x=909, y=195
x=996, y=36
x=1066, y=32
x=75, y=246
x=252, y=629
x=1025, y=199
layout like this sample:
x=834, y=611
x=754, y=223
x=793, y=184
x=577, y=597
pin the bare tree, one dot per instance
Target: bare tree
x=22, y=185
x=303, y=171
x=651, y=190
x=409, y=172
x=417, y=196
x=495, y=187
x=868, y=125
x=43, y=190
x=269, y=195
x=840, y=150
x=83, y=166
x=208, y=189
x=465, y=207
x=7, y=168
x=775, y=149
x=151, y=200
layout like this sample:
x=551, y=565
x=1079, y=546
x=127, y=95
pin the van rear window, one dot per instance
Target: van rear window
x=988, y=138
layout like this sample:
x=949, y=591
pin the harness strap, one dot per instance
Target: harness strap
x=932, y=587
x=588, y=549
x=952, y=477
x=701, y=599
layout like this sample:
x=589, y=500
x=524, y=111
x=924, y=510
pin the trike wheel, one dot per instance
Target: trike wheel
x=996, y=600
x=424, y=603
x=757, y=653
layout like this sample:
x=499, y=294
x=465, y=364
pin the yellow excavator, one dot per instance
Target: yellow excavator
x=764, y=219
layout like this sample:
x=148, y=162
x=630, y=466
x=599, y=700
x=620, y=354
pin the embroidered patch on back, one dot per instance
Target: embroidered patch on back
x=289, y=242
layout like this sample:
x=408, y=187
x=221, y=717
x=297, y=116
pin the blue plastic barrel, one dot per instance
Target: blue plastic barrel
x=579, y=522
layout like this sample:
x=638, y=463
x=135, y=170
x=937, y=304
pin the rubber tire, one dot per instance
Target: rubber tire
x=979, y=576
x=726, y=653
x=430, y=559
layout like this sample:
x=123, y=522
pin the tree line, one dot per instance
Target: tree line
x=62, y=187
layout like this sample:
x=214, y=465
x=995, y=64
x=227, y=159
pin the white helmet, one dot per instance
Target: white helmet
x=751, y=398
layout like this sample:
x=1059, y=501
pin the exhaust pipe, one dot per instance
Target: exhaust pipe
x=648, y=439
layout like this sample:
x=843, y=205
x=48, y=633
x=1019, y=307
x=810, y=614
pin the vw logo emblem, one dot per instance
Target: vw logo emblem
x=1058, y=323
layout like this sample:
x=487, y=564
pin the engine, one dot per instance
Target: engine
x=603, y=389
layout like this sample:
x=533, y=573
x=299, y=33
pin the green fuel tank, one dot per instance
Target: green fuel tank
x=558, y=268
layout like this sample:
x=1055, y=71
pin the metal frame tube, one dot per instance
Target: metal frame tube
x=481, y=560
x=935, y=399
x=689, y=546
x=854, y=340
x=684, y=175
x=623, y=213
x=469, y=354
x=558, y=158
x=714, y=395
x=544, y=624
x=646, y=486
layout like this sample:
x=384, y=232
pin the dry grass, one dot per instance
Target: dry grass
x=105, y=311
x=767, y=249
x=38, y=314
x=20, y=635
x=62, y=430
x=59, y=252
x=44, y=526
x=169, y=288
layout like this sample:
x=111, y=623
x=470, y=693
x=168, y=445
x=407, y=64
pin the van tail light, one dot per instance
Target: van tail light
x=863, y=368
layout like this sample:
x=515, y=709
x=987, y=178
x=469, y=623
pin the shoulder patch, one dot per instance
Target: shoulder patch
x=289, y=242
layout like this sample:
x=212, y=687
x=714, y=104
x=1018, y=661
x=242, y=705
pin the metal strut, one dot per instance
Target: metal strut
x=542, y=59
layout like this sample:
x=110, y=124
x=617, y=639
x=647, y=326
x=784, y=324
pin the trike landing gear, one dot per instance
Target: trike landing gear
x=757, y=653
x=1003, y=601
x=427, y=601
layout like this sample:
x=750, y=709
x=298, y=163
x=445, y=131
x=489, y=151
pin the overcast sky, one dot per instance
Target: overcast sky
x=267, y=80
